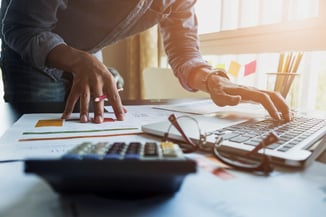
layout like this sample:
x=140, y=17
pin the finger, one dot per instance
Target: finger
x=115, y=101
x=70, y=104
x=257, y=96
x=84, y=107
x=98, y=110
x=98, y=104
x=280, y=104
x=268, y=104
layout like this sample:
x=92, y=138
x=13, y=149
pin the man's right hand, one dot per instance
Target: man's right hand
x=91, y=79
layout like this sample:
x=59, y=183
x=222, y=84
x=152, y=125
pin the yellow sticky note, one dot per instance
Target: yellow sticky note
x=234, y=68
x=49, y=123
x=220, y=66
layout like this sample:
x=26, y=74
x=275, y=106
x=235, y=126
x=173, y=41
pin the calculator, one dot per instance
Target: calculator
x=116, y=169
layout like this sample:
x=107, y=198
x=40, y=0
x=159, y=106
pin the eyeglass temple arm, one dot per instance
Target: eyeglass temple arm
x=174, y=122
x=263, y=167
x=268, y=140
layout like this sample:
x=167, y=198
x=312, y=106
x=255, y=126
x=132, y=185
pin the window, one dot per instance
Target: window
x=246, y=30
x=240, y=26
x=235, y=14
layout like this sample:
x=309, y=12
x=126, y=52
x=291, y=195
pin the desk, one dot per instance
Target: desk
x=284, y=193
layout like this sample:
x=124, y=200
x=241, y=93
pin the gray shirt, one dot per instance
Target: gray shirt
x=33, y=28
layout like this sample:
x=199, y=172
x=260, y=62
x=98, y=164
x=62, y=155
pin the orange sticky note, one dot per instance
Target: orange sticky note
x=234, y=68
x=49, y=123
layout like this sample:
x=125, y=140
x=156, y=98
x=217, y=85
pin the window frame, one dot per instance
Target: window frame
x=305, y=35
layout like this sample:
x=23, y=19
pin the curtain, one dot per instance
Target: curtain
x=143, y=52
x=131, y=56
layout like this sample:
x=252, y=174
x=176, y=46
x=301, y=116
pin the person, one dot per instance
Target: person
x=48, y=46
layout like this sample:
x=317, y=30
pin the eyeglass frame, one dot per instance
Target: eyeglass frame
x=264, y=166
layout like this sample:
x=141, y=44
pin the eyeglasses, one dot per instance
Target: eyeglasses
x=250, y=161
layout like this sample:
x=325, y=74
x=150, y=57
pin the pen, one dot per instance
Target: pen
x=104, y=97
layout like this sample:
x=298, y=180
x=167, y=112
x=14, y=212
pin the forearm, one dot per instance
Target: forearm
x=181, y=42
x=198, y=78
x=65, y=58
x=28, y=30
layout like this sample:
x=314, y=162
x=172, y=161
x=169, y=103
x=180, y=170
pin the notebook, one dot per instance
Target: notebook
x=300, y=140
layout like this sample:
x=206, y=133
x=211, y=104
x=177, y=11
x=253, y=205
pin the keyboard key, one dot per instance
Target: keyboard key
x=273, y=146
x=252, y=142
x=229, y=135
x=283, y=149
x=239, y=139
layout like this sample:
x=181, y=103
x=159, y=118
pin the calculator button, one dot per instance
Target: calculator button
x=122, y=150
x=100, y=148
x=80, y=149
x=133, y=150
x=168, y=149
x=116, y=148
x=150, y=150
x=115, y=151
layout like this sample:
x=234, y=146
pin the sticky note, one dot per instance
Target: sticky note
x=49, y=123
x=220, y=66
x=250, y=68
x=234, y=68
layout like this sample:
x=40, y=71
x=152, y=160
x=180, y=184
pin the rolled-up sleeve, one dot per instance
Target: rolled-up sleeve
x=181, y=41
x=27, y=28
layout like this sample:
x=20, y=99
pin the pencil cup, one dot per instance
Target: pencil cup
x=288, y=85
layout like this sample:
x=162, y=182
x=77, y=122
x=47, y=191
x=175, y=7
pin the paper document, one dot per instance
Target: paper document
x=46, y=135
x=208, y=106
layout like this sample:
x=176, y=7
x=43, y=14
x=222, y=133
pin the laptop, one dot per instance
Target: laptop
x=300, y=140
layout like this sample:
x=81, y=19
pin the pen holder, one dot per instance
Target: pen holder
x=288, y=85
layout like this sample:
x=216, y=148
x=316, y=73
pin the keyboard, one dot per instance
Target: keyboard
x=290, y=133
x=118, y=169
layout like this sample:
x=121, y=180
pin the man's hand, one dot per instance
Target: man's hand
x=91, y=79
x=223, y=92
